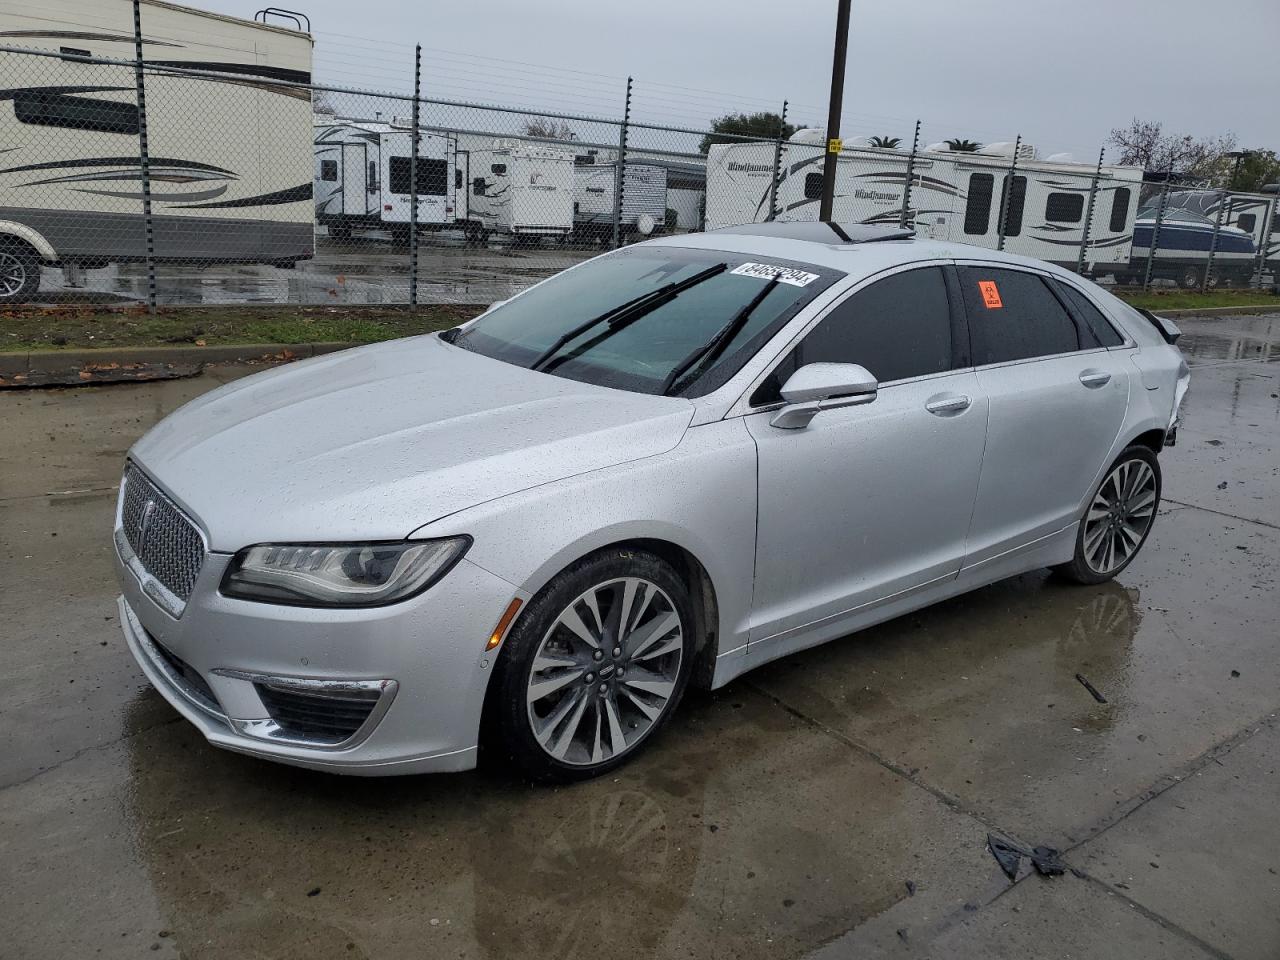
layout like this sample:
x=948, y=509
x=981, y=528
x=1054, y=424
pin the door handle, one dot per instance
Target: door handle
x=1094, y=378
x=945, y=406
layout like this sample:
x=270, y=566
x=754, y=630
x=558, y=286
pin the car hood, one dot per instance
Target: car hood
x=371, y=443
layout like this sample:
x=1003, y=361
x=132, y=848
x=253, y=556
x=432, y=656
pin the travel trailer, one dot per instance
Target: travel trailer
x=363, y=177
x=956, y=196
x=230, y=176
x=644, y=197
x=517, y=188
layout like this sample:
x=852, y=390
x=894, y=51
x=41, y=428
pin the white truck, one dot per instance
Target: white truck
x=955, y=196
x=230, y=174
x=517, y=188
x=363, y=178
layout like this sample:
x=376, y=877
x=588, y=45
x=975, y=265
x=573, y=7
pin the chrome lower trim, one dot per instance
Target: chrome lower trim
x=161, y=665
x=267, y=728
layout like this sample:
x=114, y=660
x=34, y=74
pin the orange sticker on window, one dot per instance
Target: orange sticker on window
x=990, y=294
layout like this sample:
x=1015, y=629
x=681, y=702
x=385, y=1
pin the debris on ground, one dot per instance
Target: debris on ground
x=911, y=888
x=1046, y=860
x=1084, y=682
x=95, y=373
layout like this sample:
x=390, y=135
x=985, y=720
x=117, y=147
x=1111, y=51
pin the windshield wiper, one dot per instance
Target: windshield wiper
x=624, y=314
x=710, y=351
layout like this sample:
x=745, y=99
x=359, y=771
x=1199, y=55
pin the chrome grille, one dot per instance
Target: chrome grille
x=167, y=544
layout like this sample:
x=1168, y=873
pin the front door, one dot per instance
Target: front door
x=1058, y=400
x=355, y=184
x=868, y=501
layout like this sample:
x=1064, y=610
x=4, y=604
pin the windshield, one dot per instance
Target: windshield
x=635, y=318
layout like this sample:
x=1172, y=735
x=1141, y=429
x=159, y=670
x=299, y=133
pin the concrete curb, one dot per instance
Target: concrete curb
x=1217, y=311
x=45, y=362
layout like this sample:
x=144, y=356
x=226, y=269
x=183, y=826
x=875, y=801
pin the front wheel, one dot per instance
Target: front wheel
x=594, y=667
x=1118, y=519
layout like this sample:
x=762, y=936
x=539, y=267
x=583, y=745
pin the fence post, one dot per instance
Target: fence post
x=1155, y=232
x=777, y=164
x=413, y=178
x=1006, y=195
x=1266, y=237
x=1213, y=241
x=619, y=169
x=1088, y=214
x=911, y=173
x=144, y=157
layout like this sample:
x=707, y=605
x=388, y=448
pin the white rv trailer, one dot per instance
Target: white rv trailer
x=518, y=188
x=644, y=197
x=955, y=196
x=363, y=177
x=230, y=175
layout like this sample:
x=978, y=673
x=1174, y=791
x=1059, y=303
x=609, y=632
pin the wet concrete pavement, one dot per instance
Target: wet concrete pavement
x=780, y=817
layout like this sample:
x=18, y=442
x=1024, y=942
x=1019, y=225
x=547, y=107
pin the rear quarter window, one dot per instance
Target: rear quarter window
x=1015, y=316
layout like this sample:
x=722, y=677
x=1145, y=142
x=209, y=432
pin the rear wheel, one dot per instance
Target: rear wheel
x=594, y=667
x=1118, y=519
x=19, y=274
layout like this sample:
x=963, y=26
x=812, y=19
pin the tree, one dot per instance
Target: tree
x=765, y=125
x=549, y=128
x=1145, y=144
x=1256, y=169
x=963, y=146
x=886, y=143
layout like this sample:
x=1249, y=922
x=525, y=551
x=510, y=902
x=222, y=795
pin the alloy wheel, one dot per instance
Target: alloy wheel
x=605, y=672
x=13, y=274
x=1119, y=516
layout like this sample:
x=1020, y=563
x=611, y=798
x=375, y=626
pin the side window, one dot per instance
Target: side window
x=813, y=186
x=977, y=210
x=373, y=176
x=1120, y=209
x=498, y=169
x=457, y=178
x=1084, y=309
x=478, y=186
x=1017, y=201
x=897, y=328
x=1014, y=316
x=1246, y=222
x=1064, y=208
x=329, y=170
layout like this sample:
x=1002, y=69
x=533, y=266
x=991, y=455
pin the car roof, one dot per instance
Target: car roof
x=867, y=251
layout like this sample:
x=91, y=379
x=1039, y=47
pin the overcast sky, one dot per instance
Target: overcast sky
x=1061, y=74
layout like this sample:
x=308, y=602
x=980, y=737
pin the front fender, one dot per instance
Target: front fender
x=700, y=496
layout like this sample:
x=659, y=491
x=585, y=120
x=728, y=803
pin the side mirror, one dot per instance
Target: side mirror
x=823, y=386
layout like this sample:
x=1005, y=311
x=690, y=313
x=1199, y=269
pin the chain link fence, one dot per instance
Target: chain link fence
x=147, y=179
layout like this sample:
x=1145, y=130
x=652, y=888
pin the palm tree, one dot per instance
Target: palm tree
x=963, y=146
x=886, y=143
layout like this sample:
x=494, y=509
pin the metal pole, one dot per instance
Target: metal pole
x=1213, y=241
x=911, y=173
x=144, y=157
x=619, y=169
x=413, y=178
x=1155, y=232
x=1088, y=215
x=1266, y=237
x=1006, y=195
x=834, y=108
x=777, y=164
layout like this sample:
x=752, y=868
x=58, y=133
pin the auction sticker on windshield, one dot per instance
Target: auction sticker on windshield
x=767, y=271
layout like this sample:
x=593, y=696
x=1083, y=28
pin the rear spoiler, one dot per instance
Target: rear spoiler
x=1166, y=327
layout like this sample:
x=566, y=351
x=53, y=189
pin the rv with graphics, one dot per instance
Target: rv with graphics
x=229, y=173
x=644, y=197
x=364, y=173
x=955, y=196
x=517, y=188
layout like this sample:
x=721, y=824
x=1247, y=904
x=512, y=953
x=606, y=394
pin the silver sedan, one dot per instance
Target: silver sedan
x=667, y=465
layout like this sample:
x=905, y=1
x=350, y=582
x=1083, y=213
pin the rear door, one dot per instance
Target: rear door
x=1057, y=399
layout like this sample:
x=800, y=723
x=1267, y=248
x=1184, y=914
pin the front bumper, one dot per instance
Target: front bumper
x=416, y=671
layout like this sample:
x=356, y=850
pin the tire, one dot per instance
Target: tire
x=19, y=274
x=1105, y=542
x=1189, y=279
x=565, y=702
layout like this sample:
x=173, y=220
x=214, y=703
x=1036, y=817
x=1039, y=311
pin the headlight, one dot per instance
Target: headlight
x=340, y=574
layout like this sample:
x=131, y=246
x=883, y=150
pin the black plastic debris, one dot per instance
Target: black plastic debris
x=1009, y=855
x=911, y=888
x=1084, y=682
